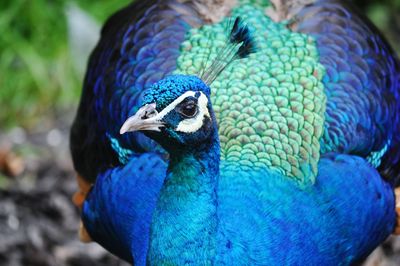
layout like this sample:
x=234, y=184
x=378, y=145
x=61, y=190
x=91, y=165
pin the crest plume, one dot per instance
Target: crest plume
x=241, y=44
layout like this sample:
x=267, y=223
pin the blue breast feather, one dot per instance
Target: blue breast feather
x=118, y=211
x=330, y=234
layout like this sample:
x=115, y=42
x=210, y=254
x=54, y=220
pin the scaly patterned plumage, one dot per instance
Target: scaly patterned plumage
x=275, y=162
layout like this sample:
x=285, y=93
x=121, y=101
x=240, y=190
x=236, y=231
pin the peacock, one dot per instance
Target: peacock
x=239, y=132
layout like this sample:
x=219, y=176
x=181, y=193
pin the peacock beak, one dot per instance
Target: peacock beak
x=146, y=118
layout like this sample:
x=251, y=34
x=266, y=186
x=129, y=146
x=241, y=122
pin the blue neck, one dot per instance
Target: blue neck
x=185, y=216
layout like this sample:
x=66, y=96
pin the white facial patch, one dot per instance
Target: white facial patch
x=153, y=121
x=193, y=124
x=188, y=125
x=172, y=105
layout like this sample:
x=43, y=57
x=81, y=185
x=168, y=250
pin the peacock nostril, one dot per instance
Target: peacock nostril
x=149, y=111
x=150, y=114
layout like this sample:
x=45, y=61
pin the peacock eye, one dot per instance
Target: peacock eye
x=189, y=109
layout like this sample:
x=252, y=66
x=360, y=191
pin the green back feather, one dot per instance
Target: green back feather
x=270, y=107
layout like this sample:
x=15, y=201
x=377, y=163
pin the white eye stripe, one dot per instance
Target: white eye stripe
x=191, y=125
x=172, y=105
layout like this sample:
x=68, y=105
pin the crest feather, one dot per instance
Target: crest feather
x=241, y=44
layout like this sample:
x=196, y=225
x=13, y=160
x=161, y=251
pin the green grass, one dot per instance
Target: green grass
x=36, y=69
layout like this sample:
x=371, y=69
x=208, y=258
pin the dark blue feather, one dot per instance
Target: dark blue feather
x=149, y=35
x=361, y=83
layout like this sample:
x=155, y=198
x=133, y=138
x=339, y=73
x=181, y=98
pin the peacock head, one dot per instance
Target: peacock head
x=176, y=112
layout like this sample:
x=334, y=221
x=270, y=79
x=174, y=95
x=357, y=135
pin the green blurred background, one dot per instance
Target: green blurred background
x=37, y=72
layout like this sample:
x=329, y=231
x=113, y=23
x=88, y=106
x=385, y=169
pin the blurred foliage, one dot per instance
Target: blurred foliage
x=36, y=70
x=385, y=14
